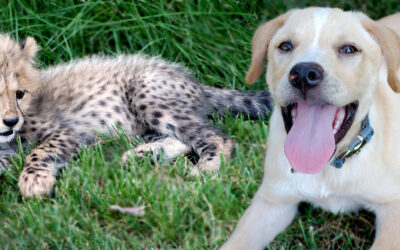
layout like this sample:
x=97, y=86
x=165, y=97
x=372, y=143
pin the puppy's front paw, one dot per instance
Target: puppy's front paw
x=36, y=182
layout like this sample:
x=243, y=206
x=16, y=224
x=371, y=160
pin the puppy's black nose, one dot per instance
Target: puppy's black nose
x=11, y=122
x=305, y=76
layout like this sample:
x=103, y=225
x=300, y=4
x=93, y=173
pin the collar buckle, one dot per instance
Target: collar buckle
x=355, y=146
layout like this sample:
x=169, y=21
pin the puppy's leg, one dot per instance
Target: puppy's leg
x=260, y=223
x=168, y=148
x=387, y=228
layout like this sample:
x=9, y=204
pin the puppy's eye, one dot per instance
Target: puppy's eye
x=348, y=49
x=286, y=46
x=20, y=94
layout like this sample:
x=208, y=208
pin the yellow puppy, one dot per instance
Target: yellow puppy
x=334, y=137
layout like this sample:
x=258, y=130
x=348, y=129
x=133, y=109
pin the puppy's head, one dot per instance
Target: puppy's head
x=323, y=68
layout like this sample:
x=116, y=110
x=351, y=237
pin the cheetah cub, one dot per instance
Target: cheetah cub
x=65, y=107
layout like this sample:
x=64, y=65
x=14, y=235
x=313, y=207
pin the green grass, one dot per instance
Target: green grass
x=212, y=38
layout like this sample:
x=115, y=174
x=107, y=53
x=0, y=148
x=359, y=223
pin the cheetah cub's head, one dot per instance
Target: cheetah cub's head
x=18, y=80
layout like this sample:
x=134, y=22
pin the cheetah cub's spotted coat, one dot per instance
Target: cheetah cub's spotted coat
x=65, y=107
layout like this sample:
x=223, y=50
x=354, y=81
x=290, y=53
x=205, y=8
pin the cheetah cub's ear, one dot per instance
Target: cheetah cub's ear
x=29, y=47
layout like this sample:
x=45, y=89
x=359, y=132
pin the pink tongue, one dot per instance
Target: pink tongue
x=310, y=143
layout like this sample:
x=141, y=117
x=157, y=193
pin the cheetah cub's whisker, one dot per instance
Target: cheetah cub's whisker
x=64, y=107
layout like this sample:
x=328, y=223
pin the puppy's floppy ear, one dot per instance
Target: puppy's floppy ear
x=389, y=42
x=259, y=46
x=29, y=47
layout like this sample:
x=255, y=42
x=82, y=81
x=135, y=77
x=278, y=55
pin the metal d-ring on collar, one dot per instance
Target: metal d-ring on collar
x=354, y=148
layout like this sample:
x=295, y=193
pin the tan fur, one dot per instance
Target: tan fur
x=390, y=45
x=260, y=45
x=392, y=22
x=370, y=179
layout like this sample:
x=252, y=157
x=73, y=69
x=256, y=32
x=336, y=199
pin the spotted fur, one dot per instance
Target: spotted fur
x=76, y=101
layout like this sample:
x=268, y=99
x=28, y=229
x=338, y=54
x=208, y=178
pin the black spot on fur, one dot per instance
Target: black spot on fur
x=170, y=127
x=49, y=159
x=183, y=102
x=163, y=106
x=142, y=107
x=117, y=109
x=247, y=101
x=157, y=114
x=155, y=122
x=102, y=103
x=141, y=96
x=180, y=117
x=79, y=107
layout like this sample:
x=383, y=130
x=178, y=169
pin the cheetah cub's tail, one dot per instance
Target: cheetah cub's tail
x=250, y=104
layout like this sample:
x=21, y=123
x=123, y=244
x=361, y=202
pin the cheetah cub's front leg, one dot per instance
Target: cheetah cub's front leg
x=41, y=166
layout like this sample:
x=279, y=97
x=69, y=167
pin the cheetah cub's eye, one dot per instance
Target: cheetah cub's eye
x=20, y=94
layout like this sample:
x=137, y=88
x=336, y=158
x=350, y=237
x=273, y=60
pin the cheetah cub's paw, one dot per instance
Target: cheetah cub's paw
x=38, y=183
x=205, y=165
x=142, y=151
x=165, y=150
x=211, y=162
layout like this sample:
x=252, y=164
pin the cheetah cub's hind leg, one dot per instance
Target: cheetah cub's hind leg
x=164, y=150
x=210, y=146
x=188, y=124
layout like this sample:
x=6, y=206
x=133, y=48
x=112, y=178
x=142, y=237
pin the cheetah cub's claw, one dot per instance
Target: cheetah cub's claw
x=40, y=183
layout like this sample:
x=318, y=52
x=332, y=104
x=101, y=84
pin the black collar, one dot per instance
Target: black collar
x=355, y=146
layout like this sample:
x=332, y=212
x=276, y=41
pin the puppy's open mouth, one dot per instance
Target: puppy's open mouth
x=344, y=118
x=7, y=133
x=314, y=129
